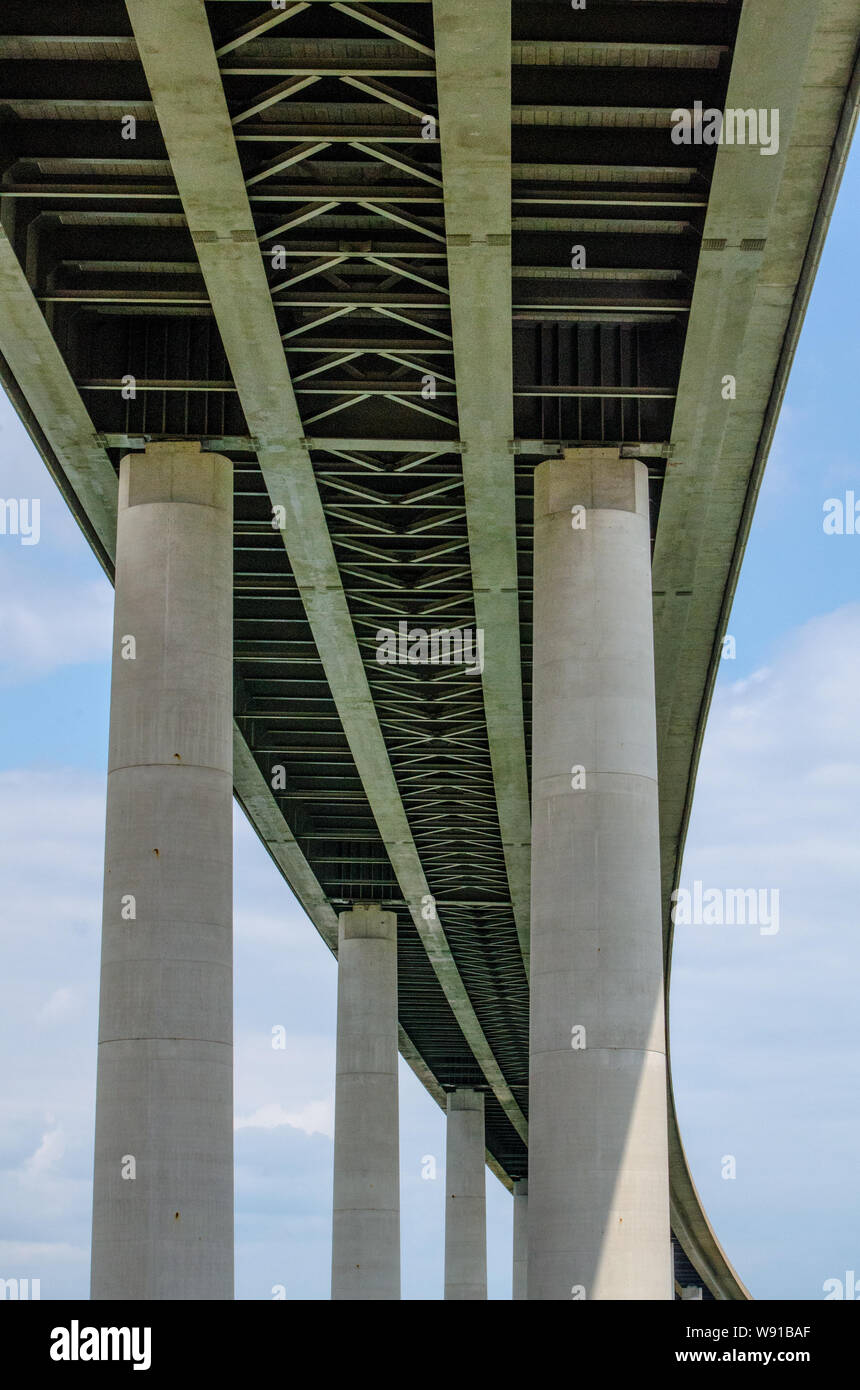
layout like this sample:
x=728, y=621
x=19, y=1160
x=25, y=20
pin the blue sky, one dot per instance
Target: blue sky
x=765, y=1050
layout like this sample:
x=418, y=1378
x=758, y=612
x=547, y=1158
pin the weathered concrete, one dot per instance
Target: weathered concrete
x=366, y=1226
x=521, y=1239
x=465, y=1197
x=164, y=1101
x=598, y=1164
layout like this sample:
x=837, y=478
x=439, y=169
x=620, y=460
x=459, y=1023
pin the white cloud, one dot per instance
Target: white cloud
x=763, y=1028
x=741, y=687
x=317, y=1117
x=45, y=626
x=49, y=1152
x=51, y=853
x=14, y=1252
x=61, y=1006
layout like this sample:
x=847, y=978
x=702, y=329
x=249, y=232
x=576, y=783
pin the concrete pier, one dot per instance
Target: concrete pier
x=521, y=1239
x=366, y=1218
x=163, y=1191
x=465, y=1197
x=598, y=1163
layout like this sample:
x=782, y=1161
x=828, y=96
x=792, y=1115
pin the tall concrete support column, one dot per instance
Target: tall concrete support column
x=521, y=1238
x=598, y=1161
x=465, y=1197
x=366, y=1226
x=163, y=1188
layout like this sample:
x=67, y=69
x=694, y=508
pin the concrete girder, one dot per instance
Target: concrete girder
x=38, y=368
x=474, y=93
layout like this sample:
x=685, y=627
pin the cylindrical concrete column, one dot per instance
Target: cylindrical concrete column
x=163, y=1188
x=366, y=1225
x=598, y=1162
x=465, y=1197
x=521, y=1238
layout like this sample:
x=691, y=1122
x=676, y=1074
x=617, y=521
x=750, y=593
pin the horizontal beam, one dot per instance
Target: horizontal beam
x=432, y=447
x=327, y=70
x=388, y=388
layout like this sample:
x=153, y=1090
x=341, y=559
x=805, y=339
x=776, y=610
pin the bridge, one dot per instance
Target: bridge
x=411, y=368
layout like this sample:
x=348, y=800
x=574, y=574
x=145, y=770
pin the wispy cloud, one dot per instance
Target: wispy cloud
x=317, y=1117
x=44, y=627
x=763, y=1028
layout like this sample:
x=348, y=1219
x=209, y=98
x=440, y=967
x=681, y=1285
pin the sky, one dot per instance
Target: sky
x=765, y=1053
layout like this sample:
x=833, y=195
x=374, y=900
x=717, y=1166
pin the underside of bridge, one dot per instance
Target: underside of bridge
x=325, y=242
